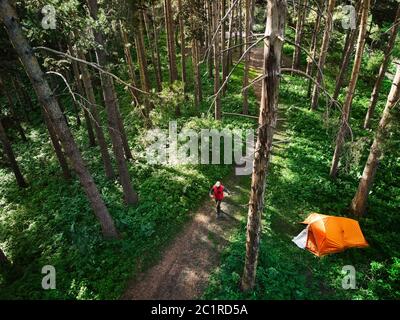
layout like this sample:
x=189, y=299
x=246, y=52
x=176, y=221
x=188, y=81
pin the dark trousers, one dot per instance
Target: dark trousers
x=218, y=202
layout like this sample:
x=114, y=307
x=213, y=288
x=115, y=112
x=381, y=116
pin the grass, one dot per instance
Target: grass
x=297, y=184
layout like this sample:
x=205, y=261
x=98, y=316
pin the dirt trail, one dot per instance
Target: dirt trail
x=186, y=264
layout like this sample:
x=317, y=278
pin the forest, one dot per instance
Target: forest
x=174, y=149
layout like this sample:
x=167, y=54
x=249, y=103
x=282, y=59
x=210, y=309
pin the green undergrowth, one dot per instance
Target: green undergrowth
x=298, y=183
x=51, y=222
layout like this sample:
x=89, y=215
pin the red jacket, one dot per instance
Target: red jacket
x=218, y=192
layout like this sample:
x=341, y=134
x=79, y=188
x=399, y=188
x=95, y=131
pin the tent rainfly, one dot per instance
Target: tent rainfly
x=328, y=234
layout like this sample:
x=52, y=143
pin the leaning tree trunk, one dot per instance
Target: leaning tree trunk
x=299, y=33
x=52, y=108
x=169, y=24
x=323, y=53
x=382, y=70
x=110, y=100
x=359, y=203
x=274, y=32
x=344, y=125
x=345, y=63
x=11, y=158
x=313, y=49
x=347, y=52
x=87, y=83
x=141, y=53
x=247, y=28
x=217, y=59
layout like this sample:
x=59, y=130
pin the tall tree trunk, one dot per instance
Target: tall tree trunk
x=299, y=33
x=210, y=23
x=183, y=45
x=141, y=53
x=57, y=147
x=382, y=70
x=111, y=104
x=52, y=108
x=274, y=30
x=169, y=23
x=198, y=96
x=223, y=44
x=11, y=158
x=129, y=62
x=247, y=18
x=87, y=83
x=344, y=124
x=78, y=82
x=347, y=52
x=240, y=28
x=154, y=59
x=229, y=61
x=345, y=63
x=323, y=53
x=313, y=49
x=155, y=31
x=217, y=59
x=359, y=203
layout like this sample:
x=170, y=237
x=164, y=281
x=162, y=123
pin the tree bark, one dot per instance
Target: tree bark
x=348, y=50
x=11, y=158
x=229, y=61
x=344, y=126
x=52, y=108
x=196, y=70
x=382, y=70
x=313, y=49
x=57, y=147
x=130, y=196
x=359, y=202
x=223, y=45
x=274, y=30
x=173, y=70
x=141, y=53
x=153, y=49
x=78, y=82
x=210, y=60
x=183, y=45
x=323, y=53
x=87, y=83
x=129, y=61
x=240, y=28
x=247, y=18
x=159, y=69
x=217, y=59
x=299, y=33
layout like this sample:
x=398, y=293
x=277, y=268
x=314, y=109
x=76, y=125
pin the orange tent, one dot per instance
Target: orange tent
x=328, y=234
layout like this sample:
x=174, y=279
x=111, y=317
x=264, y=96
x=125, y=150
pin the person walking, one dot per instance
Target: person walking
x=217, y=192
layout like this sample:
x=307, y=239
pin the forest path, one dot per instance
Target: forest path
x=185, y=266
x=184, y=269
